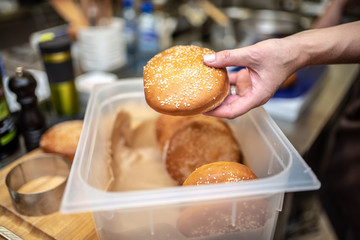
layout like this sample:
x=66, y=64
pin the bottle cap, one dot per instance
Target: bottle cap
x=127, y=3
x=23, y=84
x=147, y=7
x=55, y=45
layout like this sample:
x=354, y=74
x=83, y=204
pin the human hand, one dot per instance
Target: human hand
x=268, y=64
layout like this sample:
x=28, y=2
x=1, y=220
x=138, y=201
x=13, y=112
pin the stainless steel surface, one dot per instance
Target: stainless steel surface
x=306, y=130
x=272, y=23
x=41, y=202
x=337, y=82
x=253, y=25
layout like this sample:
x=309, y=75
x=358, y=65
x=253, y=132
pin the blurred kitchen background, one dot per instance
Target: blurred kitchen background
x=215, y=24
x=136, y=30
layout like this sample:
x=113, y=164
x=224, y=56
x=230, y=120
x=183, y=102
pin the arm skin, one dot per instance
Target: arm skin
x=271, y=62
x=332, y=15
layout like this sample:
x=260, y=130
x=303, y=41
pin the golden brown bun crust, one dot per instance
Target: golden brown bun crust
x=221, y=218
x=220, y=172
x=177, y=82
x=195, y=141
x=166, y=125
x=62, y=138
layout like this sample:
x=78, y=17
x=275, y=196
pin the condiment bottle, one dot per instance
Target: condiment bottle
x=130, y=29
x=8, y=133
x=32, y=122
x=57, y=59
x=148, y=36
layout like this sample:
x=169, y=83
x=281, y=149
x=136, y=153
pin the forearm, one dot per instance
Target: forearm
x=339, y=44
x=332, y=15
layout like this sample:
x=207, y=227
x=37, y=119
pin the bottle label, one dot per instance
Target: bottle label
x=148, y=42
x=65, y=98
x=7, y=131
x=130, y=33
x=7, y=124
x=5, y=139
x=4, y=110
x=59, y=57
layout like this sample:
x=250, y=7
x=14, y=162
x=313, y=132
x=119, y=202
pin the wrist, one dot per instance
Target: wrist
x=297, y=51
x=312, y=47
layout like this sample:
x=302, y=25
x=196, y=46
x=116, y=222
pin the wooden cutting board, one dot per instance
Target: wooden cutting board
x=53, y=226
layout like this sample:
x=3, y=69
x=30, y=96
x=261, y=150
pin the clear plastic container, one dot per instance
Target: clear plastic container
x=155, y=214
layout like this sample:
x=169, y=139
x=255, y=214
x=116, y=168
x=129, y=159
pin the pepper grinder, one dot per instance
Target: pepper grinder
x=32, y=122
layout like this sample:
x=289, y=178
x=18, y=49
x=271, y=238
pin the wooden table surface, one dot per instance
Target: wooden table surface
x=52, y=226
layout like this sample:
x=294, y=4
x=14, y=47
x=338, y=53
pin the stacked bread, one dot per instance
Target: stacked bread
x=188, y=142
x=198, y=149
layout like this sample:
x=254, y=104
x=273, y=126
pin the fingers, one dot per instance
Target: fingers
x=248, y=96
x=241, y=80
x=235, y=57
x=240, y=76
x=233, y=106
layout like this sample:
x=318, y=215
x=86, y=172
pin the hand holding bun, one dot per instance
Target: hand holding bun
x=177, y=82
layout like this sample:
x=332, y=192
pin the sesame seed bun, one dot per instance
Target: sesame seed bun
x=220, y=172
x=245, y=218
x=62, y=138
x=177, y=82
x=189, y=142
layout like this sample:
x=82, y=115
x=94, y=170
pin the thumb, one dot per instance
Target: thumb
x=227, y=58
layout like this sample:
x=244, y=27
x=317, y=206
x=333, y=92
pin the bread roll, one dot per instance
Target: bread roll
x=243, y=216
x=220, y=172
x=177, y=82
x=192, y=141
x=166, y=125
x=62, y=138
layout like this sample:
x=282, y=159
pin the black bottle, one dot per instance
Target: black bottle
x=32, y=122
x=58, y=64
x=8, y=133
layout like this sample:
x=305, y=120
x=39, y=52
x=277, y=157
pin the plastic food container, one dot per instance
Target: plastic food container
x=243, y=210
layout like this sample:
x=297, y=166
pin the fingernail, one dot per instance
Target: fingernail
x=209, y=58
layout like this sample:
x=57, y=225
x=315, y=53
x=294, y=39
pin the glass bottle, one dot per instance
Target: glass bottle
x=8, y=133
x=130, y=29
x=148, y=36
x=57, y=59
